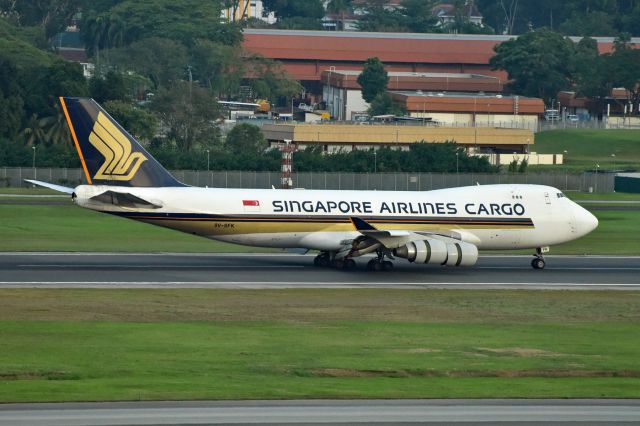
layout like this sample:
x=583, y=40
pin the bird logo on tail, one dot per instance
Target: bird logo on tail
x=119, y=162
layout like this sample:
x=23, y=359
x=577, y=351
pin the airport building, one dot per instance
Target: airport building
x=342, y=93
x=305, y=55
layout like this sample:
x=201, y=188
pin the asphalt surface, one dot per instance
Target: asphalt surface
x=117, y=270
x=458, y=412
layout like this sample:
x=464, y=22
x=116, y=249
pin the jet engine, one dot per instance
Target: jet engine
x=454, y=253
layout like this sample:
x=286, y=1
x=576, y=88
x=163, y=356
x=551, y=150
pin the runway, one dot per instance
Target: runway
x=387, y=412
x=117, y=270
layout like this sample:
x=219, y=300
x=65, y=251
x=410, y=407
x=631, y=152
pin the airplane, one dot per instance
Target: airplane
x=439, y=227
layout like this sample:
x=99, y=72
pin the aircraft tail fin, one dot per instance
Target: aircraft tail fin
x=110, y=155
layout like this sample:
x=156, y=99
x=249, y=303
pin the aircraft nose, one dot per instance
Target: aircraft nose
x=585, y=221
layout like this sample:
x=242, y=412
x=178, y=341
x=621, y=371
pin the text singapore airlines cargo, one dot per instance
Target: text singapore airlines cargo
x=443, y=227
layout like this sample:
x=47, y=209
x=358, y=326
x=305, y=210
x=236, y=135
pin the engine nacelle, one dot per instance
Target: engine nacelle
x=438, y=252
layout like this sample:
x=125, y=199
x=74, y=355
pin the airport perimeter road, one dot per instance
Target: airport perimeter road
x=296, y=271
x=458, y=412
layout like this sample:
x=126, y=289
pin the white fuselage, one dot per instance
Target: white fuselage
x=488, y=216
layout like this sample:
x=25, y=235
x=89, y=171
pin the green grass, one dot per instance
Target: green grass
x=71, y=228
x=617, y=233
x=603, y=196
x=61, y=345
x=586, y=148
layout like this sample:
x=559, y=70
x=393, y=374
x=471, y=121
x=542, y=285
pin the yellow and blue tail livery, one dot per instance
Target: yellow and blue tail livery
x=110, y=155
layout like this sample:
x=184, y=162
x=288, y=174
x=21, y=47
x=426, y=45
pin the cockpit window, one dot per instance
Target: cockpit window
x=560, y=195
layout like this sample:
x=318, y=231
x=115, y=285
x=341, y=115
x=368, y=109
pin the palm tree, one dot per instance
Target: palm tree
x=35, y=131
x=58, y=131
x=339, y=7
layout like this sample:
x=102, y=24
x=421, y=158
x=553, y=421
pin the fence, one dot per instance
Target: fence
x=598, y=182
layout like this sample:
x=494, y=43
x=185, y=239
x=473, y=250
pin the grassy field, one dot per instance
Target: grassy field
x=60, y=345
x=71, y=228
x=586, y=148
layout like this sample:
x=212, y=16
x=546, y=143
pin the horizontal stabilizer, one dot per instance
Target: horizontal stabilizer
x=58, y=188
x=123, y=199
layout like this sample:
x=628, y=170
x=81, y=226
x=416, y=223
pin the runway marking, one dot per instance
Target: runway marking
x=572, y=268
x=107, y=265
x=293, y=284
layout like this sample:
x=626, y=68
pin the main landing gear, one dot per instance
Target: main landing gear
x=378, y=263
x=538, y=260
x=326, y=259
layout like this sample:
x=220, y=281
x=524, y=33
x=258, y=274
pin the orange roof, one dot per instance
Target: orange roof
x=451, y=82
x=468, y=103
x=305, y=54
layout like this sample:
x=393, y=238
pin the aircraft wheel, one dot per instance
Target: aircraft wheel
x=374, y=265
x=349, y=265
x=387, y=265
x=538, y=263
x=321, y=260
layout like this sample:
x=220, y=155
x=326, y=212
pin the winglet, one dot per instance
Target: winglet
x=361, y=224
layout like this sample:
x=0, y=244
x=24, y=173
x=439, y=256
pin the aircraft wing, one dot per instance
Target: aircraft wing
x=55, y=187
x=373, y=239
x=388, y=238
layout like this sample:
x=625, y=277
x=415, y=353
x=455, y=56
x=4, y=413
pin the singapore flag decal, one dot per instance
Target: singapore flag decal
x=251, y=206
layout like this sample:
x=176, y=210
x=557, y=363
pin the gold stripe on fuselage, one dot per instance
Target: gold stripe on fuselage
x=231, y=227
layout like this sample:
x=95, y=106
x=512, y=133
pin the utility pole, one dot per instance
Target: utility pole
x=375, y=162
x=34, y=162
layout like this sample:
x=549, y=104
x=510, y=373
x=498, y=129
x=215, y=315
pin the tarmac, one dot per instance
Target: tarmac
x=173, y=270
x=457, y=412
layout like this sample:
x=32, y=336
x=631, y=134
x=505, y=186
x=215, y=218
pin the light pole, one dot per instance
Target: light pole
x=375, y=162
x=34, y=162
x=596, y=183
x=207, y=160
x=613, y=156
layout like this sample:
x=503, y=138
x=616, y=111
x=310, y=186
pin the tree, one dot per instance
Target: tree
x=11, y=103
x=162, y=60
x=128, y=21
x=108, y=88
x=384, y=104
x=378, y=18
x=592, y=24
x=246, y=139
x=373, y=79
x=270, y=80
x=539, y=63
x=52, y=16
x=590, y=70
x=218, y=67
x=42, y=86
x=418, y=15
x=189, y=113
x=623, y=67
x=284, y=9
x=35, y=131
x=139, y=122
x=340, y=8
